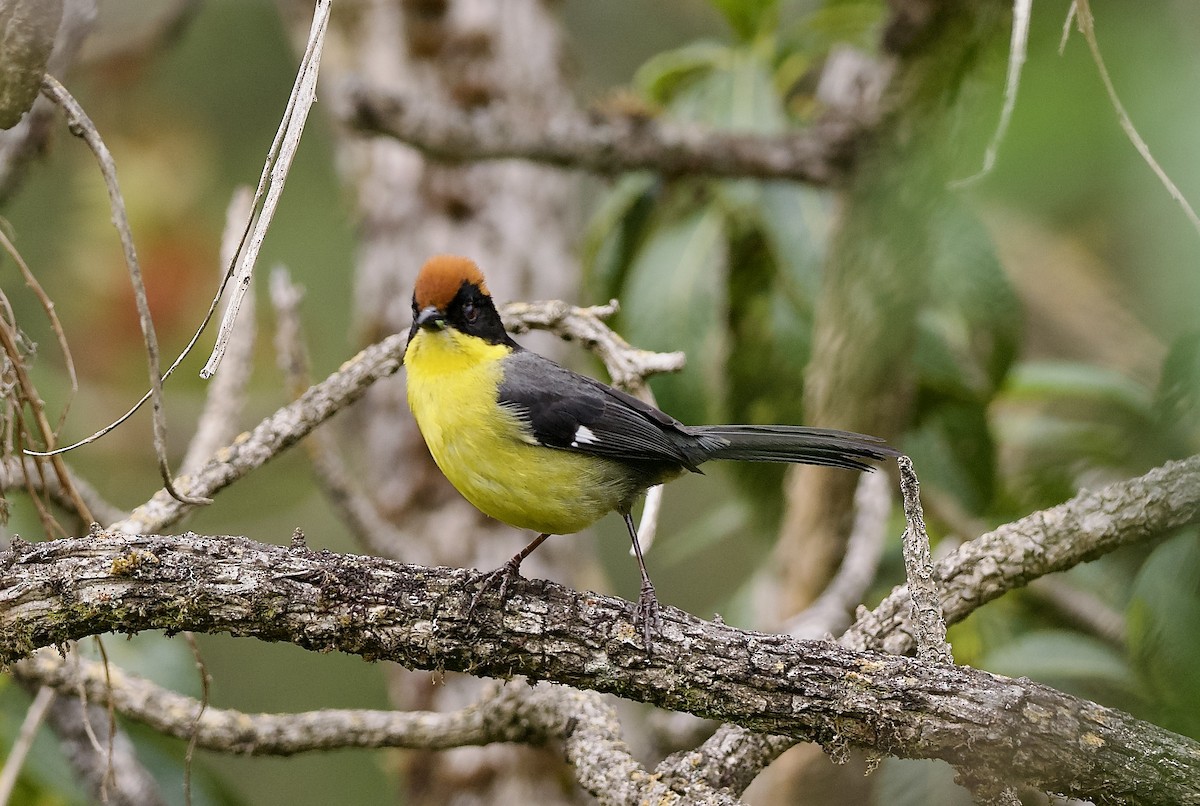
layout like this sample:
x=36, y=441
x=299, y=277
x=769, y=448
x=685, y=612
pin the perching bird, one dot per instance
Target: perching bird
x=540, y=447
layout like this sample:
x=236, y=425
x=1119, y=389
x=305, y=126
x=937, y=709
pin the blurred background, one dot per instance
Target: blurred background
x=1057, y=344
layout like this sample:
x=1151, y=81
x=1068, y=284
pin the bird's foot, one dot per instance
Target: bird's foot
x=648, y=616
x=501, y=577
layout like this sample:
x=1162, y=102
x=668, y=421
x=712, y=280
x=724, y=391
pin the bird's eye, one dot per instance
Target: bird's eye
x=470, y=312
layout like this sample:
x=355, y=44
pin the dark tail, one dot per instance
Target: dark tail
x=792, y=443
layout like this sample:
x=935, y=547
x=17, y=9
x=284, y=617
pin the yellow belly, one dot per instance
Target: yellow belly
x=488, y=454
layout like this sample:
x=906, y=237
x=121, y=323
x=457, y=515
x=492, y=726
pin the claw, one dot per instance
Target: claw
x=504, y=575
x=648, y=617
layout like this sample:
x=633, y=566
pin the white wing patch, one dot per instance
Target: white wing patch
x=584, y=436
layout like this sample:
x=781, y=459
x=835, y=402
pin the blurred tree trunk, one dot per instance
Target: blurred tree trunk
x=875, y=280
x=517, y=220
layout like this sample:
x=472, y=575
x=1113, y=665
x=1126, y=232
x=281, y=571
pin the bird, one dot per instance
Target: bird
x=541, y=447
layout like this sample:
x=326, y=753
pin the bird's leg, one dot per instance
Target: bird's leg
x=647, y=613
x=504, y=574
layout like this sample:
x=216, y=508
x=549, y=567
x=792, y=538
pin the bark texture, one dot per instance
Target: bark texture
x=1013, y=730
x=462, y=58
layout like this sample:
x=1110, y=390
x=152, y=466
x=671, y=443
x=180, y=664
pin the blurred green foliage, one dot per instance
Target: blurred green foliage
x=1005, y=419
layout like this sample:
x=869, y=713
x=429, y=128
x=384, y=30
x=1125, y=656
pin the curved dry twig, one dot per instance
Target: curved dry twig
x=26, y=395
x=274, y=175
x=1081, y=12
x=223, y=402
x=81, y=125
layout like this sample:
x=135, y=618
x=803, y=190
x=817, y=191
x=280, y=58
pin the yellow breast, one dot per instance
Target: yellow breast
x=487, y=453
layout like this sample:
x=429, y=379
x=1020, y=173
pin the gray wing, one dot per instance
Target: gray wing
x=566, y=410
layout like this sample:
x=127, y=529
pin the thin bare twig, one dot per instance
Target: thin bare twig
x=110, y=772
x=274, y=434
x=1082, y=11
x=24, y=742
x=194, y=727
x=217, y=423
x=358, y=512
x=195, y=336
x=831, y=612
x=275, y=171
x=1017, y=49
x=29, y=394
x=81, y=125
x=51, y=316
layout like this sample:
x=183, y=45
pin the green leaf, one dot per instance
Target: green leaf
x=664, y=75
x=674, y=299
x=1041, y=380
x=969, y=332
x=1060, y=422
x=748, y=18
x=796, y=221
x=1177, y=399
x=909, y=782
x=1073, y=662
x=840, y=22
x=1164, y=622
x=953, y=448
x=615, y=232
x=739, y=95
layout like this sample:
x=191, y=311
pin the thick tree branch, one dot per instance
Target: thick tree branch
x=1091, y=524
x=819, y=155
x=1087, y=526
x=1019, y=731
x=585, y=724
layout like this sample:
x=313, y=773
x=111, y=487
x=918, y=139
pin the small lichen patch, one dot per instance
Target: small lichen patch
x=129, y=563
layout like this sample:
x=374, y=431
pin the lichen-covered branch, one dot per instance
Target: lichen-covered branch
x=585, y=724
x=927, y=616
x=1017, y=730
x=1089, y=525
